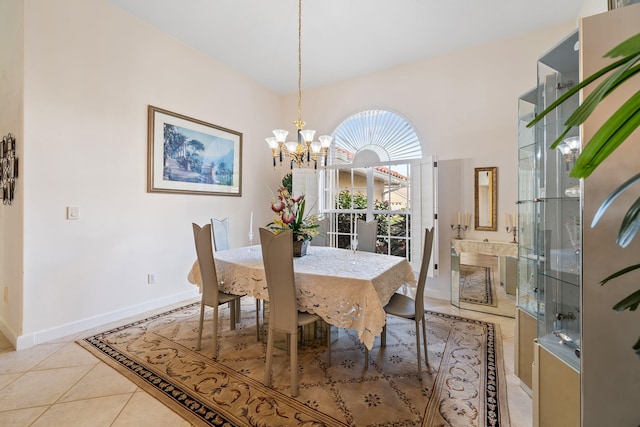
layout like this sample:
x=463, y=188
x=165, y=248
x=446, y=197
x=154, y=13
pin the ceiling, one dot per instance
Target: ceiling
x=340, y=38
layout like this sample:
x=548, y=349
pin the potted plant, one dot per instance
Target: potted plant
x=291, y=216
x=606, y=140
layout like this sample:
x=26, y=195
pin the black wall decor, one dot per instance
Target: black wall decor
x=9, y=168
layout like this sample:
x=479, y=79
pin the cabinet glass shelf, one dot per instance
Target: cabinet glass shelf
x=566, y=352
x=550, y=209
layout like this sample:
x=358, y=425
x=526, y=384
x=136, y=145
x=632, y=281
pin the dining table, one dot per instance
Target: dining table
x=347, y=289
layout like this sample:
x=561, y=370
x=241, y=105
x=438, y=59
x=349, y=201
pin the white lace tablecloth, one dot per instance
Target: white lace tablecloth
x=329, y=284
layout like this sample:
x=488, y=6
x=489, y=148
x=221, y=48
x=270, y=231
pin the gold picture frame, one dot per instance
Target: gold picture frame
x=617, y=4
x=190, y=156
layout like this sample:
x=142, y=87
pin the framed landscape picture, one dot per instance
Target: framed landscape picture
x=186, y=155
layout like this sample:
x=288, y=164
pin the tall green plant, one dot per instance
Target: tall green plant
x=606, y=140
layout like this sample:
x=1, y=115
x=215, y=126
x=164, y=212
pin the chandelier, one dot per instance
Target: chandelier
x=570, y=148
x=305, y=148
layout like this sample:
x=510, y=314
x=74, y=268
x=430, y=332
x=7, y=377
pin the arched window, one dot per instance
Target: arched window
x=375, y=137
x=377, y=171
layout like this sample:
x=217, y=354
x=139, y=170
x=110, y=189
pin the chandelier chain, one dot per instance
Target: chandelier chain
x=305, y=149
x=300, y=61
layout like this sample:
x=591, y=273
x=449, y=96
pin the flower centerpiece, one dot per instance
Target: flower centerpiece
x=291, y=216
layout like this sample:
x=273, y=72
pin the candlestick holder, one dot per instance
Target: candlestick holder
x=514, y=231
x=460, y=228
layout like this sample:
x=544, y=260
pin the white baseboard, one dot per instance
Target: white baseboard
x=437, y=294
x=39, y=337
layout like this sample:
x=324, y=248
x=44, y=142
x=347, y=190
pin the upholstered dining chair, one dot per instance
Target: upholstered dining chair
x=284, y=316
x=221, y=242
x=321, y=238
x=211, y=296
x=220, y=233
x=367, y=234
x=408, y=308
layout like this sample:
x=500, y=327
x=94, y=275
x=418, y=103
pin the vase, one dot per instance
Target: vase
x=300, y=247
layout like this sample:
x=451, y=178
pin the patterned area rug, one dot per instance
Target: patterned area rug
x=476, y=285
x=464, y=385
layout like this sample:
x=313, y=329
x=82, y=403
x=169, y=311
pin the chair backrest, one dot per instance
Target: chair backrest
x=277, y=256
x=321, y=238
x=367, y=235
x=424, y=268
x=220, y=233
x=204, y=250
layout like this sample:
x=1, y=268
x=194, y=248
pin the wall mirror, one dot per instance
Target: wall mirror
x=486, y=215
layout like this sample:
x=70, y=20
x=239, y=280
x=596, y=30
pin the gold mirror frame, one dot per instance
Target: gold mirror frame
x=486, y=199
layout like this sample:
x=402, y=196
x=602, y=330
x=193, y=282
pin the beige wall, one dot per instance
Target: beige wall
x=592, y=7
x=11, y=116
x=610, y=368
x=463, y=106
x=90, y=71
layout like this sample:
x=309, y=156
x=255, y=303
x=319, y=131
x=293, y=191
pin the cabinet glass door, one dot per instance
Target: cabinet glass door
x=527, y=215
x=558, y=218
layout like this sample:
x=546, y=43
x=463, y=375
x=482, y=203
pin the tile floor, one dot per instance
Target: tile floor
x=60, y=384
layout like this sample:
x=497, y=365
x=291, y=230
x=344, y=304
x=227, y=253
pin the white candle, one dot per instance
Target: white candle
x=251, y=223
x=452, y=219
x=466, y=220
x=459, y=219
x=507, y=220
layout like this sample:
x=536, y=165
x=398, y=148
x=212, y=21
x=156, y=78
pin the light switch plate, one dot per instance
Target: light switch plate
x=73, y=212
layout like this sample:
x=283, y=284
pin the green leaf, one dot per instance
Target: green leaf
x=559, y=140
x=614, y=195
x=577, y=87
x=631, y=302
x=602, y=91
x=619, y=273
x=599, y=93
x=607, y=139
x=624, y=77
x=630, y=225
x=630, y=46
x=299, y=215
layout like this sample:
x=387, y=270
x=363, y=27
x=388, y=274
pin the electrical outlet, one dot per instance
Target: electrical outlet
x=73, y=212
x=151, y=278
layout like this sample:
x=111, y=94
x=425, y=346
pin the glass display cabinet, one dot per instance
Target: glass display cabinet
x=556, y=212
x=527, y=261
x=562, y=259
x=527, y=167
x=548, y=332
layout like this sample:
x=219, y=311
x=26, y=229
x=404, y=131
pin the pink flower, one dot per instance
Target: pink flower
x=288, y=218
x=277, y=206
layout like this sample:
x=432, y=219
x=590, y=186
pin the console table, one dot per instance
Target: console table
x=505, y=251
